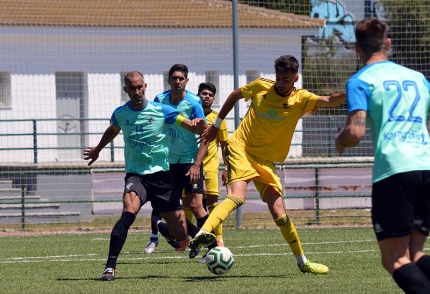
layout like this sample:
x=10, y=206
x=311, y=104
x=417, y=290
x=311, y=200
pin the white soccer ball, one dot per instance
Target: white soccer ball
x=219, y=260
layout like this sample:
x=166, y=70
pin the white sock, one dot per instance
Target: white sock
x=301, y=260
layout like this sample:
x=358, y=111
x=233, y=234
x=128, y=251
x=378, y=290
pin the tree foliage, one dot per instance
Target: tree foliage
x=409, y=30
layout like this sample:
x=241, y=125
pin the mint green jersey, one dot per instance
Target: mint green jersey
x=183, y=146
x=396, y=100
x=145, y=142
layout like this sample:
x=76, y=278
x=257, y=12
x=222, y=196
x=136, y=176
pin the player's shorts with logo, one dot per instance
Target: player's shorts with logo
x=401, y=203
x=182, y=182
x=243, y=166
x=158, y=188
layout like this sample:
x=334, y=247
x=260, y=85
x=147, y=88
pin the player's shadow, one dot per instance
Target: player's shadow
x=214, y=278
x=116, y=278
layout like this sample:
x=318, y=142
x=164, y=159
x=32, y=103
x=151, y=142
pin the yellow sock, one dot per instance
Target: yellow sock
x=217, y=230
x=221, y=212
x=188, y=214
x=290, y=234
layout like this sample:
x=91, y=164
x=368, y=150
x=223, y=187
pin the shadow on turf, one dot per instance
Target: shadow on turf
x=211, y=278
x=116, y=278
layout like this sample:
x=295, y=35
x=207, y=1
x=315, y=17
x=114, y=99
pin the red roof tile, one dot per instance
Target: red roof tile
x=145, y=13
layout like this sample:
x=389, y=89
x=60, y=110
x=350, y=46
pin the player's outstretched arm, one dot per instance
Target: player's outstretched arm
x=210, y=133
x=331, y=101
x=354, y=130
x=196, y=126
x=194, y=171
x=93, y=152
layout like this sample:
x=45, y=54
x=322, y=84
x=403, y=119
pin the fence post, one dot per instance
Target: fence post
x=22, y=202
x=112, y=152
x=330, y=139
x=34, y=141
x=317, y=194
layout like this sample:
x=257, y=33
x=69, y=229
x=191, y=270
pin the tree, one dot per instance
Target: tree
x=409, y=30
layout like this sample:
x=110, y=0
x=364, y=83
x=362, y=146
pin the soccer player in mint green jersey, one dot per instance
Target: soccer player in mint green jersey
x=184, y=159
x=148, y=177
x=394, y=100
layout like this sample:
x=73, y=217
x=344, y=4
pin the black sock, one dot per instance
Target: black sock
x=424, y=265
x=163, y=228
x=205, y=204
x=118, y=237
x=201, y=221
x=154, y=219
x=411, y=279
x=192, y=229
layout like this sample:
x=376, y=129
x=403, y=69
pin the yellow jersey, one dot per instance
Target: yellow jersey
x=211, y=160
x=267, y=129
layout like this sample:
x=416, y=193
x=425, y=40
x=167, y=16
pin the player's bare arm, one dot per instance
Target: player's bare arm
x=93, y=152
x=331, y=101
x=194, y=171
x=353, y=132
x=224, y=172
x=210, y=133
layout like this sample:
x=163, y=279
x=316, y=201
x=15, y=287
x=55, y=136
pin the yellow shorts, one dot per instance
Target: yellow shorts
x=212, y=182
x=244, y=167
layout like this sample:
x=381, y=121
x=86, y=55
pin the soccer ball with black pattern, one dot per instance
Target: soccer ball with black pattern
x=219, y=260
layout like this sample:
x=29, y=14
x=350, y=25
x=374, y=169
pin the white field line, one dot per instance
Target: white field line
x=128, y=255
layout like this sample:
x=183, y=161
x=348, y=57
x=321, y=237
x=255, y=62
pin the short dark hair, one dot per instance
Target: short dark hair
x=179, y=67
x=131, y=75
x=287, y=64
x=206, y=86
x=371, y=35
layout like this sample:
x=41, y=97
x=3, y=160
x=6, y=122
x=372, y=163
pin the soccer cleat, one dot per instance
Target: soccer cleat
x=203, y=259
x=184, y=244
x=314, y=268
x=150, y=247
x=172, y=241
x=220, y=242
x=203, y=238
x=109, y=274
x=194, y=252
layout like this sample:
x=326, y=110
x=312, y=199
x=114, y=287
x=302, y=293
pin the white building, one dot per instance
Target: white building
x=65, y=60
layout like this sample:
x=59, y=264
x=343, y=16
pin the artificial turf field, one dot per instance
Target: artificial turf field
x=74, y=263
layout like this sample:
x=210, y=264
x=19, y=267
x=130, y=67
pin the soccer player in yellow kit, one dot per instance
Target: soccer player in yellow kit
x=207, y=92
x=262, y=138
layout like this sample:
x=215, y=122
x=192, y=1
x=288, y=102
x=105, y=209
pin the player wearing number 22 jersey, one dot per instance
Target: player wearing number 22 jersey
x=394, y=101
x=397, y=105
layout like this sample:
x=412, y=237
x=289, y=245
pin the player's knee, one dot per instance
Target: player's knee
x=179, y=234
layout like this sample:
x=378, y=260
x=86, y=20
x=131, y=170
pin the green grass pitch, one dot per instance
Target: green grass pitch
x=74, y=263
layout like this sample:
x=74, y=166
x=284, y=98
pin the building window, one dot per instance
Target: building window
x=212, y=76
x=124, y=95
x=166, y=85
x=252, y=75
x=5, y=90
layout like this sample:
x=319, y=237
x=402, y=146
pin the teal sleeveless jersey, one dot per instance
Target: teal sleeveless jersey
x=183, y=146
x=396, y=100
x=145, y=142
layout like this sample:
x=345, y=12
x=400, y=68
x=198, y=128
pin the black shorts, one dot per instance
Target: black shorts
x=158, y=188
x=401, y=203
x=182, y=182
